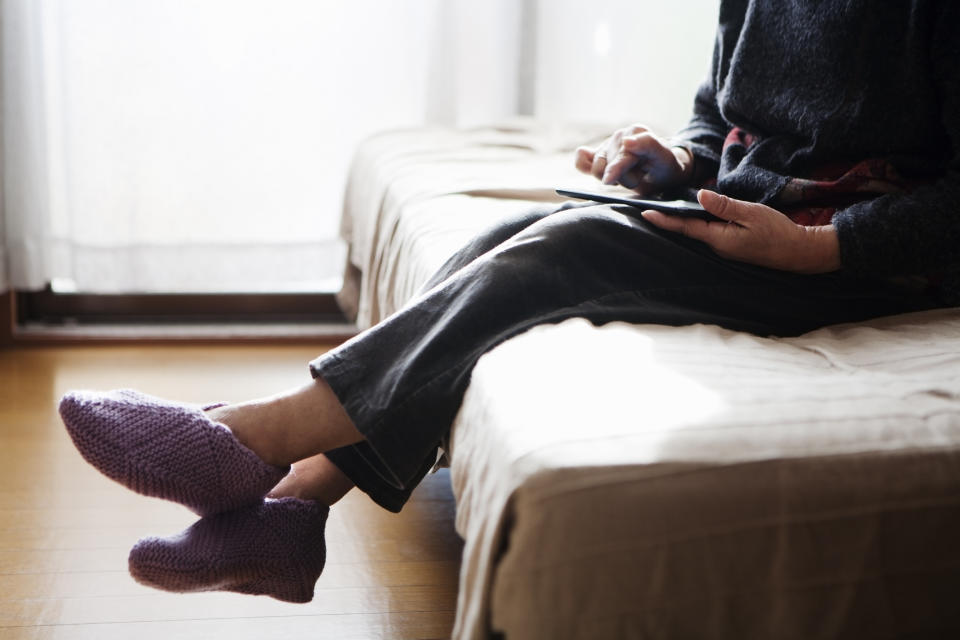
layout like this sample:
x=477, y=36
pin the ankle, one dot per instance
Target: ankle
x=251, y=430
x=314, y=478
x=292, y=425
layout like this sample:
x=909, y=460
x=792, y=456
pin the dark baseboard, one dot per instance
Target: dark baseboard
x=47, y=318
x=7, y=314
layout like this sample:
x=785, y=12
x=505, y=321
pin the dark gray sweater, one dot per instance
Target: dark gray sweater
x=816, y=82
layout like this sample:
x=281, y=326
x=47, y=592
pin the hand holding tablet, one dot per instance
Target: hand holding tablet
x=680, y=208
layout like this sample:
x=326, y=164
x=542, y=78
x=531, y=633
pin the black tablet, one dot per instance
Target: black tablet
x=682, y=208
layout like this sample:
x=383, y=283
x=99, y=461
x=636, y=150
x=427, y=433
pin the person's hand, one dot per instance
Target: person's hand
x=756, y=234
x=637, y=159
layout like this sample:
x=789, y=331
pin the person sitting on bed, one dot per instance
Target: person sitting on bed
x=827, y=137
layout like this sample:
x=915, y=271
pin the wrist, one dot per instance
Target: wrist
x=825, y=256
x=686, y=160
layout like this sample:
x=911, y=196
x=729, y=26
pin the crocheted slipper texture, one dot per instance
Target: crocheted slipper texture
x=166, y=450
x=275, y=548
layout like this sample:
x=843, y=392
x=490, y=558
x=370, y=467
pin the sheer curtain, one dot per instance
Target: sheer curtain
x=202, y=145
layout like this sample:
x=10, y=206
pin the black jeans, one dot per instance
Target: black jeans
x=402, y=380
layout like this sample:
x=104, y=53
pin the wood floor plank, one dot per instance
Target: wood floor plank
x=145, y=606
x=421, y=625
x=65, y=530
x=116, y=582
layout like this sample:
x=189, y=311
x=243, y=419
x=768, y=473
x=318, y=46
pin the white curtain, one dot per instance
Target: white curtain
x=202, y=145
x=622, y=60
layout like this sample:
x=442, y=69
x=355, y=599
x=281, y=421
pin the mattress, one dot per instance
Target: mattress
x=413, y=197
x=638, y=481
x=654, y=482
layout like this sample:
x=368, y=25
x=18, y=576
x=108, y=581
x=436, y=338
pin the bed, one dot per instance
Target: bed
x=638, y=481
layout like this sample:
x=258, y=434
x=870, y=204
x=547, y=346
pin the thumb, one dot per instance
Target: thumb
x=725, y=207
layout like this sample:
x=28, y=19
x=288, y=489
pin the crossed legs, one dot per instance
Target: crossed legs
x=401, y=383
x=284, y=429
x=262, y=524
x=292, y=425
x=295, y=427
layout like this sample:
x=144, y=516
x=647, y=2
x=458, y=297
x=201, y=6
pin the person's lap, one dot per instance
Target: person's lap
x=401, y=382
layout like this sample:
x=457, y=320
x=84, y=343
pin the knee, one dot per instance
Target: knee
x=573, y=239
x=597, y=240
x=584, y=230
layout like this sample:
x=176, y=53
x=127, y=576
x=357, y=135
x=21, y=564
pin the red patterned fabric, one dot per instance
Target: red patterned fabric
x=813, y=199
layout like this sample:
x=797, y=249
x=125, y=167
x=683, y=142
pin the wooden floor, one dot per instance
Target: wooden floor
x=65, y=530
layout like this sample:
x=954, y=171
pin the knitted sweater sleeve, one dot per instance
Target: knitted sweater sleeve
x=918, y=232
x=705, y=132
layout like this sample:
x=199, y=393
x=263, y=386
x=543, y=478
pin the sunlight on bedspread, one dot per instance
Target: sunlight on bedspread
x=636, y=474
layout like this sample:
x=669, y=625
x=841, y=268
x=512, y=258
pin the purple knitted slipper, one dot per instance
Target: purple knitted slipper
x=275, y=548
x=166, y=450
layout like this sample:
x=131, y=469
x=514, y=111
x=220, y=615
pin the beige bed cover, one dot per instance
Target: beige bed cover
x=654, y=482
